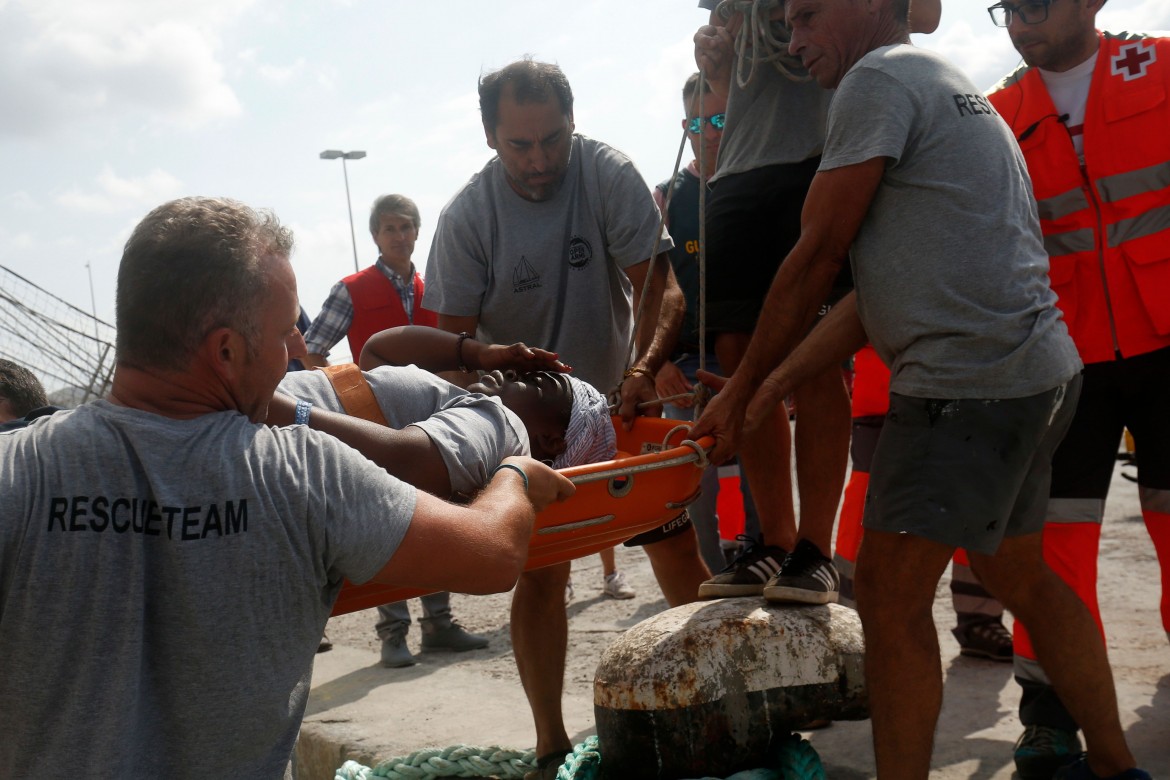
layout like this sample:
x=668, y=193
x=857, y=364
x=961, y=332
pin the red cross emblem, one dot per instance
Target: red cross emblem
x=1133, y=59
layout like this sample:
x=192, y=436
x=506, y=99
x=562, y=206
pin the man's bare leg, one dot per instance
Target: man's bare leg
x=823, y=428
x=765, y=457
x=678, y=567
x=895, y=586
x=1067, y=643
x=540, y=638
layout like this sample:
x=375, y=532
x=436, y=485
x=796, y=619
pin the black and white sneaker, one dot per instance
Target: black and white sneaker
x=747, y=574
x=807, y=577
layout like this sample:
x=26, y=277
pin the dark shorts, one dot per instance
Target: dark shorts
x=1133, y=393
x=678, y=525
x=968, y=472
x=753, y=221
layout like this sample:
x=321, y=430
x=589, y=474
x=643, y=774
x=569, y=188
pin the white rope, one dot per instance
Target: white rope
x=701, y=399
x=761, y=40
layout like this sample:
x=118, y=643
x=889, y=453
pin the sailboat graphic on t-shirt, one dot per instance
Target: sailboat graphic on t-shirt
x=524, y=276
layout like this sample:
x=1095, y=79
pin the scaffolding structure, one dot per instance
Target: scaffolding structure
x=71, y=351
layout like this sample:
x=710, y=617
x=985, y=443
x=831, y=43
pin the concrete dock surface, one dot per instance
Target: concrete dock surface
x=361, y=711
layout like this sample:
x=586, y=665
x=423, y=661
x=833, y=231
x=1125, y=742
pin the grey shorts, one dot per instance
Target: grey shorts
x=967, y=472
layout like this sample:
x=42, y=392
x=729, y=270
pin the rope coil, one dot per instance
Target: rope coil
x=761, y=40
x=793, y=759
x=455, y=761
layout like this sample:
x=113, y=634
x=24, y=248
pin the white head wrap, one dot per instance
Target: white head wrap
x=590, y=436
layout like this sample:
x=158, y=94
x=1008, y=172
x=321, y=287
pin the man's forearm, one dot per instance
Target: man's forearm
x=484, y=546
x=661, y=319
x=836, y=204
x=432, y=349
x=835, y=338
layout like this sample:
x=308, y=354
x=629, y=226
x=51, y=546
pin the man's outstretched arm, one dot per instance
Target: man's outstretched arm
x=437, y=350
x=480, y=548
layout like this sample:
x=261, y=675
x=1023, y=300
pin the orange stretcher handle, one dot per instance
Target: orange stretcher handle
x=615, y=500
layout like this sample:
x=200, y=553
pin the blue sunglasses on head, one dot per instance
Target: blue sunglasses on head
x=695, y=124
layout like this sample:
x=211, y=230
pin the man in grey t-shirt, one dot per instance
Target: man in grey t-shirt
x=922, y=187
x=551, y=244
x=203, y=550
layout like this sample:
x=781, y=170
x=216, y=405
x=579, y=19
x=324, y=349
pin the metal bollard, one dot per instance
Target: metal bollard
x=713, y=688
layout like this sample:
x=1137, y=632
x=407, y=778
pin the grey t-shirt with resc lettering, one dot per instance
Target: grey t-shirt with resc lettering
x=950, y=270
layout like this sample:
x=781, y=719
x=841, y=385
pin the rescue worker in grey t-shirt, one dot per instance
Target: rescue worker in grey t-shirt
x=203, y=549
x=932, y=204
x=550, y=244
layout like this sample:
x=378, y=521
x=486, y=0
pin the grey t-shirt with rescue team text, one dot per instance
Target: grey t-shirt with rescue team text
x=164, y=585
x=951, y=273
x=550, y=274
x=473, y=432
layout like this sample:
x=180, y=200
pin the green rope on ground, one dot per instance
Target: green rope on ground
x=583, y=763
x=751, y=774
x=798, y=760
x=794, y=759
x=456, y=761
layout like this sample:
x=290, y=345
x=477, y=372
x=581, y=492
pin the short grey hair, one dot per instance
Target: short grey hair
x=393, y=204
x=193, y=265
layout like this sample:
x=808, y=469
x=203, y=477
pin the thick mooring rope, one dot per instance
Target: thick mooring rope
x=456, y=761
x=795, y=759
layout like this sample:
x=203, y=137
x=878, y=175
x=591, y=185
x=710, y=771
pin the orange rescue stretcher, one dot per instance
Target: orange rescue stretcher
x=615, y=500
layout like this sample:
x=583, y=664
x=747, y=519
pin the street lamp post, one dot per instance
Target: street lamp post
x=333, y=154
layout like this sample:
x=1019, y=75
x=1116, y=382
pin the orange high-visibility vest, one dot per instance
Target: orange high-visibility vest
x=1107, y=225
x=376, y=306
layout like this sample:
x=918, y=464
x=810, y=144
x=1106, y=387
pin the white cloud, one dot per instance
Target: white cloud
x=113, y=193
x=281, y=75
x=22, y=241
x=324, y=254
x=62, y=62
x=21, y=200
x=1147, y=16
x=985, y=56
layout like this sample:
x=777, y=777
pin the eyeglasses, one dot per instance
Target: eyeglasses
x=1029, y=13
x=695, y=124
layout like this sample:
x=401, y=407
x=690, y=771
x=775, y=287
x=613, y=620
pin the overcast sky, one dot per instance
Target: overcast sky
x=109, y=108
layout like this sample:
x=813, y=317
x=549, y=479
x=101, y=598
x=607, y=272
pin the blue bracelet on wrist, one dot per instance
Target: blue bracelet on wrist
x=302, y=413
x=515, y=468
